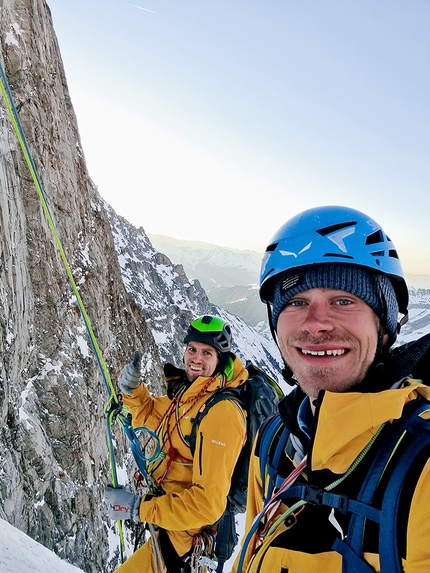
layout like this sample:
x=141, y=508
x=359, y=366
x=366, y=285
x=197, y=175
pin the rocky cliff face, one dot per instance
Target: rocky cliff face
x=53, y=452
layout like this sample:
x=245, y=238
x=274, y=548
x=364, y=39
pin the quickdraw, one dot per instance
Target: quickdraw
x=202, y=552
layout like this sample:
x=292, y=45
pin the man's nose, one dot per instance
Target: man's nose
x=317, y=319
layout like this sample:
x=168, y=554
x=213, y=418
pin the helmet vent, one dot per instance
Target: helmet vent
x=376, y=237
x=393, y=253
x=378, y=253
x=333, y=228
x=339, y=256
x=271, y=247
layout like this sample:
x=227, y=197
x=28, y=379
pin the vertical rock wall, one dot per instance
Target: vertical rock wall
x=53, y=454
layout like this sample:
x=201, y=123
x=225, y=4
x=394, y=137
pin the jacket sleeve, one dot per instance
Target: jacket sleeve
x=145, y=409
x=220, y=438
x=254, y=505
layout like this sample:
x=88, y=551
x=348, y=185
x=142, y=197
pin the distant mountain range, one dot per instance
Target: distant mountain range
x=230, y=278
x=212, y=265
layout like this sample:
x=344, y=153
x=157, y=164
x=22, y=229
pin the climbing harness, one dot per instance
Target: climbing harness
x=114, y=409
x=163, y=432
x=281, y=489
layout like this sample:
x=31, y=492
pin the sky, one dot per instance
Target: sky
x=217, y=121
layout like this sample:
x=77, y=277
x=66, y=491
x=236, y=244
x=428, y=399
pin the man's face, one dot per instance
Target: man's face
x=200, y=360
x=328, y=338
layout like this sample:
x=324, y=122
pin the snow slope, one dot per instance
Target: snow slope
x=21, y=554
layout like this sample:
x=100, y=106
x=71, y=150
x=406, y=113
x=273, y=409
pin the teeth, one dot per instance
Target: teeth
x=337, y=352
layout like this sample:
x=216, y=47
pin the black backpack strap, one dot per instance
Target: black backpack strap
x=314, y=495
x=351, y=562
x=218, y=396
x=226, y=538
x=256, y=373
x=271, y=441
x=391, y=505
x=412, y=359
x=415, y=446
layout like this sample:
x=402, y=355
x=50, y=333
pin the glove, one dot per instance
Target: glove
x=129, y=377
x=122, y=504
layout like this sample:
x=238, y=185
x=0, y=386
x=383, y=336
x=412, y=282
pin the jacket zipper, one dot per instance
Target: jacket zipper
x=200, y=454
x=317, y=404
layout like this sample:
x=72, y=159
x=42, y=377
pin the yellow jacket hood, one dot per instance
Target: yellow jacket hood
x=336, y=443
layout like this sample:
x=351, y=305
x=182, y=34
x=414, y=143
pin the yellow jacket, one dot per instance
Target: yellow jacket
x=346, y=423
x=195, y=488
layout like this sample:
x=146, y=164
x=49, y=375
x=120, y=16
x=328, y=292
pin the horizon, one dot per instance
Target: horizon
x=408, y=275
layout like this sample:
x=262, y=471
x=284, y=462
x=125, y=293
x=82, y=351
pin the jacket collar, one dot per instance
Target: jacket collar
x=347, y=422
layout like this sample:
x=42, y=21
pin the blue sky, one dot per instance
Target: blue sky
x=219, y=120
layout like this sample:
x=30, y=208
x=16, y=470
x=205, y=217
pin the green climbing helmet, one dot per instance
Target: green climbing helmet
x=211, y=330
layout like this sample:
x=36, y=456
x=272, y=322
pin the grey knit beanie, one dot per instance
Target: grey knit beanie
x=375, y=289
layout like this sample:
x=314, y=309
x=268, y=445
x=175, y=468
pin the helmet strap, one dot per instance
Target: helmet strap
x=272, y=330
x=286, y=372
x=377, y=375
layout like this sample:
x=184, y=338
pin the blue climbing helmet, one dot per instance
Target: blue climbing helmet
x=332, y=234
x=211, y=330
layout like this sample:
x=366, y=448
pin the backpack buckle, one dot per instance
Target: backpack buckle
x=314, y=495
x=317, y=496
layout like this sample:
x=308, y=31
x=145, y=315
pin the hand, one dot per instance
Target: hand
x=129, y=377
x=122, y=504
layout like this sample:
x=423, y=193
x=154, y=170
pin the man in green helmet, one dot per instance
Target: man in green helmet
x=193, y=488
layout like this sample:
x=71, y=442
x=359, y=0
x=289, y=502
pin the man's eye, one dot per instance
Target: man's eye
x=295, y=303
x=343, y=302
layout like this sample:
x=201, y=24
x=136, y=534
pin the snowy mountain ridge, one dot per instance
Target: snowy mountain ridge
x=170, y=300
x=54, y=454
x=212, y=265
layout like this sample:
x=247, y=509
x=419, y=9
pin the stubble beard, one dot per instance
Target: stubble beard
x=312, y=379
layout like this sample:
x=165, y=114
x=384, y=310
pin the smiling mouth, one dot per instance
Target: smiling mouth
x=331, y=352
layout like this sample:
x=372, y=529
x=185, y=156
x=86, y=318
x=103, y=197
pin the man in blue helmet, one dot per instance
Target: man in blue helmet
x=340, y=480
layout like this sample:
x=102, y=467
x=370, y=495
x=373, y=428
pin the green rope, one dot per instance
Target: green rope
x=113, y=399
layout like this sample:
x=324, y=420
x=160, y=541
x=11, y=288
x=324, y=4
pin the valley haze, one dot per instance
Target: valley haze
x=215, y=265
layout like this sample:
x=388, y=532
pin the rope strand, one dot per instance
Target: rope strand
x=113, y=408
